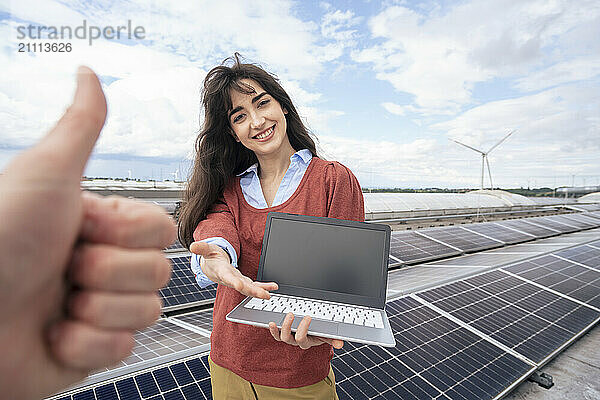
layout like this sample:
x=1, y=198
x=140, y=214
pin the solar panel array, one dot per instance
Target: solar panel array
x=577, y=220
x=584, y=207
x=185, y=379
x=201, y=319
x=410, y=248
x=593, y=214
x=182, y=290
x=160, y=340
x=461, y=239
x=522, y=225
x=435, y=358
x=473, y=338
x=524, y=317
x=553, y=223
x=499, y=232
x=574, y=280
x=175, y=247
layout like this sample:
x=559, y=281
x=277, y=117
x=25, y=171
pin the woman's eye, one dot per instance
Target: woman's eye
x=262, y=103
x=238, y=117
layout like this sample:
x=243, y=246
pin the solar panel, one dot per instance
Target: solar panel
x=201, y=319
x=187, y=379
x=593, y=214
x=161, y=340
x=461, y=238
x=436, y=355
x=578, y=282
x=411, y=248
x=182, y=289
x=585, y=207
x=575, y=220
x=175, y=246
x=586, y=255
x=552, y=223
x=434, y=358
x=532, y=248
x=481, y=260
x=499, y=232
x=584, y=217
x=409, y=280
x=526, y=318
x=523, y=226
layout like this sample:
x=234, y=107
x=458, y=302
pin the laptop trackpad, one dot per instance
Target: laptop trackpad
x=316, y=325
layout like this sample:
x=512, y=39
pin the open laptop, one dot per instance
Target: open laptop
x=333, y=270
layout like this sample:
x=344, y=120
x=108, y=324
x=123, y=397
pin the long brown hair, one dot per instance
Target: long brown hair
x=218, y=156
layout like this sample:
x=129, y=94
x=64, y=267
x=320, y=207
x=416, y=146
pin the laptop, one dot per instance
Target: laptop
x=331, y=269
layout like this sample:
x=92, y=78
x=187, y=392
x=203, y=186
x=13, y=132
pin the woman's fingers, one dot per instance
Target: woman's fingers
x=234, y=279
x=207, y=250
x=286, y=330
x=81, y=346
x=115, y=311
x=274, y=331
x=267, y=285
x=125, y=223
x=336, y=343
x=105, y=267
x=215, y=264
x=301, y=337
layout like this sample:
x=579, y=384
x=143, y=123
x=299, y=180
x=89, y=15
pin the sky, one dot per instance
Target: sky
x=383, y=85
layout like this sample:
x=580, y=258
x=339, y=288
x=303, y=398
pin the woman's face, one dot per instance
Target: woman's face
x=258, y=121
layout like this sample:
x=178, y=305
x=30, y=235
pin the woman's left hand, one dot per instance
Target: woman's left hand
x=301, y=338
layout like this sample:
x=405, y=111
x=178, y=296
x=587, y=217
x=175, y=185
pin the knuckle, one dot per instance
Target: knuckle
x=70, y=346
x=93, y=268
x=87, y=307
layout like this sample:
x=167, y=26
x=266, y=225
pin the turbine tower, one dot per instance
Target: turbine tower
x=484, y=157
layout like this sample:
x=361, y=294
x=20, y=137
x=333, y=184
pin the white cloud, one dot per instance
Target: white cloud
x=560, y=73
x=154, y=102
x=336, y=25
x=558, y=132
x=439, y=58
x=394, y=108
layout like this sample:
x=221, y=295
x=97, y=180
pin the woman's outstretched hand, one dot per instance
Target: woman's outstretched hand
x=301, y=338
x=216, y=265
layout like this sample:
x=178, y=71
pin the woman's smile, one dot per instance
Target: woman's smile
x=265, y=135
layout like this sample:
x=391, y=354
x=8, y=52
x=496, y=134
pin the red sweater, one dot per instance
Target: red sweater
x=328, y=189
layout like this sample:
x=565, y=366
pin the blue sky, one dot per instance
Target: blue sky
x=383, y=85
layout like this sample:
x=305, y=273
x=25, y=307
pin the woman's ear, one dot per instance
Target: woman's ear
x=284, y=110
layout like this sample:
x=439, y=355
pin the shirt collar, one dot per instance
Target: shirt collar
x=303, y=155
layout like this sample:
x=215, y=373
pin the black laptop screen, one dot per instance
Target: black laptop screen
x=343, y=259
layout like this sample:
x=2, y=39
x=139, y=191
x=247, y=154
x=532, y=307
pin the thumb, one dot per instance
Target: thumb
x=75, y=135
x=205, y=249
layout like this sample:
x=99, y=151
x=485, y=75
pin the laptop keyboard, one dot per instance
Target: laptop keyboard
x=318, y=309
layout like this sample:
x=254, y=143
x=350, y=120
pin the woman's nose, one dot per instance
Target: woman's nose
x=257, y=121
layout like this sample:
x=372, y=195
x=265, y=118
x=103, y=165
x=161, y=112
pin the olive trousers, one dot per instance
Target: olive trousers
x=228, y=386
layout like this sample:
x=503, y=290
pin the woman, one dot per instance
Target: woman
x=253, y=156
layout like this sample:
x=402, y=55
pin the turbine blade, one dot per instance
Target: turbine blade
x=466, y=145
x=502, y=140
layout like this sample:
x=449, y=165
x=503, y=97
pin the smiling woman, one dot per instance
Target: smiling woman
x=254, y=156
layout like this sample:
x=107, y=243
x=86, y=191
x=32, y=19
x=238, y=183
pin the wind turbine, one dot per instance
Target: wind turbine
x=484, y=157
